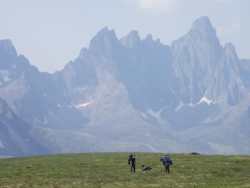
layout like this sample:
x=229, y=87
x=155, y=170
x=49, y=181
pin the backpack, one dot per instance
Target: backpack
x=168, y=161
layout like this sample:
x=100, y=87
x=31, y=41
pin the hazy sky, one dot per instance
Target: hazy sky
x=50, y=33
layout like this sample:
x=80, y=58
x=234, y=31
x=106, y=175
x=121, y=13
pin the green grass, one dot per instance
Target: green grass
x=112, y=171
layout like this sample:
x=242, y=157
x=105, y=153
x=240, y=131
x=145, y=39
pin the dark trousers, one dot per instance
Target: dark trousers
x=167, y=169
x=132, y=168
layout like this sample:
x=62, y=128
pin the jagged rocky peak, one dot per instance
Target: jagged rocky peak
x=104, y=39
x=204, y=33
x=203, y=26
x=105, y=32
x=149, y=39
x=196, y=56
x=131, y=40
x=7, y=47
x=201, y=35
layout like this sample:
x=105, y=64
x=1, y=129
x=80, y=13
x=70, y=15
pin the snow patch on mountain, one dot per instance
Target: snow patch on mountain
x=206, y=100
x=83, y=105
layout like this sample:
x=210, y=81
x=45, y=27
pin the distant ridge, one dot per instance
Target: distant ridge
x=134, y=94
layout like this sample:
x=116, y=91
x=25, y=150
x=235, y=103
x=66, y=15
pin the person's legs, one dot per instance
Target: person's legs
x=133, y=168
x=168, y=169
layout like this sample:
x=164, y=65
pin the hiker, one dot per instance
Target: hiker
x=166, y=162
x=132, y=162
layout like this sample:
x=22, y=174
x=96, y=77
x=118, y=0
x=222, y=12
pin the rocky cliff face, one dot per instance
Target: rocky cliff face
x=136, y=94
x=41, y=99
x=15, y=135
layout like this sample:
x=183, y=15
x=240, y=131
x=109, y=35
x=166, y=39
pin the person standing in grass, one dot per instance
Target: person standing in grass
x=132, y=163
x=166, y=162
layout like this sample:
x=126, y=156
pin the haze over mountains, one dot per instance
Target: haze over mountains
x=129, y=94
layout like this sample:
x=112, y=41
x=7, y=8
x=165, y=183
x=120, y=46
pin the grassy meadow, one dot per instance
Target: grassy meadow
x=111, y=170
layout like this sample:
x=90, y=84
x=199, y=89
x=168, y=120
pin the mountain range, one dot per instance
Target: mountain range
x=129, y=94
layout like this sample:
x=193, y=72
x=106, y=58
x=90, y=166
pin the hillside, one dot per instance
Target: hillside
x=112, y=171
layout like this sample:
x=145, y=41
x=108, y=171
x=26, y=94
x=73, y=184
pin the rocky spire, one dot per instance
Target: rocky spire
x=131, y=40
x=104, y=42
x=7, y=47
